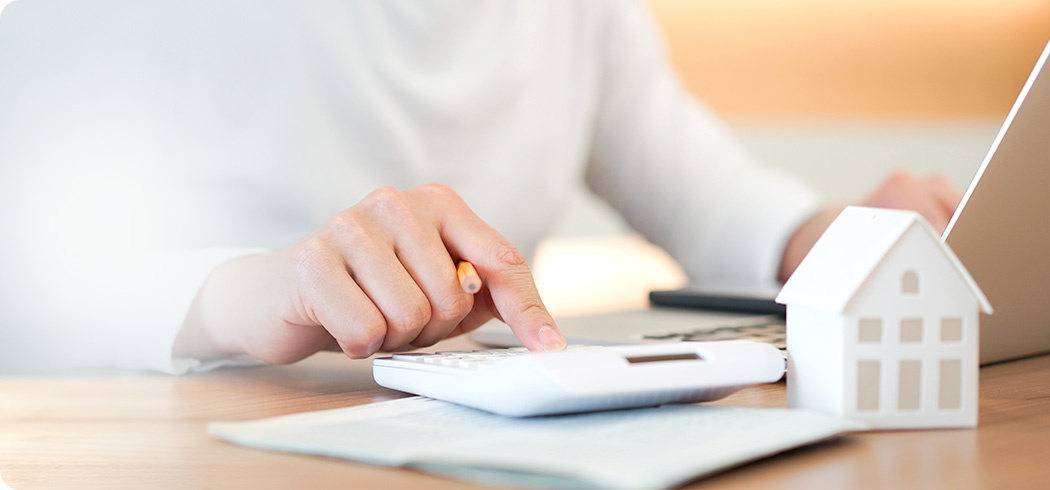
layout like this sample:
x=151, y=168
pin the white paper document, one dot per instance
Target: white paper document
x=645, y=448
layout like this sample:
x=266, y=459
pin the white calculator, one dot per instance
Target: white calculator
x=519, y=383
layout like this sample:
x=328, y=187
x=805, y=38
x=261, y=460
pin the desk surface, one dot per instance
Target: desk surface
x=147, y=431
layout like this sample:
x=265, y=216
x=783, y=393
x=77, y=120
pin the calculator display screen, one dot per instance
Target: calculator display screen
x=687, y=356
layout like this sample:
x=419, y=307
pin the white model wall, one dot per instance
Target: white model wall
x=815, y=349
x=899, y=354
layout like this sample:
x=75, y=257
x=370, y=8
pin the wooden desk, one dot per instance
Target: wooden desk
x=147, y=431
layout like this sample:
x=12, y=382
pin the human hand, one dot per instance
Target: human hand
x=933, y=197
x=380, y=275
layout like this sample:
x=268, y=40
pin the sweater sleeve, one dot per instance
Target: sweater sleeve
x=677, y=174
x=107, y=313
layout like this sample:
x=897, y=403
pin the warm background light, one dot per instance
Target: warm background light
x=855, y=58
x=838, y=91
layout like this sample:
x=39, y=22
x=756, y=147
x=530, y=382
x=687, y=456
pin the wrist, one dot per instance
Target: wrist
x=210, y=329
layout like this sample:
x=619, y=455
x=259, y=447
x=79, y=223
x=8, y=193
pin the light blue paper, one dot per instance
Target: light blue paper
x=645, y=448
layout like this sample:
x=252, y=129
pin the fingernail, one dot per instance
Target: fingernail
x=551, y=339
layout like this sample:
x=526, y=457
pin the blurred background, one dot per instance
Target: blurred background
x=838, y=91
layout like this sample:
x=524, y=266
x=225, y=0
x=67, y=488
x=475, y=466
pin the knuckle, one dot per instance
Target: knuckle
x=437, y=189
x=348, y=226
x=388, y=200
x=531, y=308
x=508, y=255
x=440, y=193
x=373, y=331
x=412, y=316
x=453, y=307
x=383, y=193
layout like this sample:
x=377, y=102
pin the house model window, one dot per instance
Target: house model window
x=910, y=283
x=911, y=330
x=870, y=330
x=951, y=330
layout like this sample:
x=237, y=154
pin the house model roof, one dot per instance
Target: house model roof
x=850, y=250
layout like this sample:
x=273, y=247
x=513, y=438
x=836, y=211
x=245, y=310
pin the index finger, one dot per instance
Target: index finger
x=505, y=273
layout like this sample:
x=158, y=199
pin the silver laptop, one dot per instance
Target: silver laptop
x=1001, y=232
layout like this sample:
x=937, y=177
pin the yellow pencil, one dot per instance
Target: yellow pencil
x=468, y=277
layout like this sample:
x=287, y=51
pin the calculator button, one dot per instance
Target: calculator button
x=414, y=357
x=473, y=359
x=472, y=363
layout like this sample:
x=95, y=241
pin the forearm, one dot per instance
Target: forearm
x=803, y=239
x=198, y=337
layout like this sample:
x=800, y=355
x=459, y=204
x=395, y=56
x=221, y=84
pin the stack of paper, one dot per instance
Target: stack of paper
x=648, y=448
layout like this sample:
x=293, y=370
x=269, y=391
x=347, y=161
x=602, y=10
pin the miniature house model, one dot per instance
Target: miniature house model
x=882, y=324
